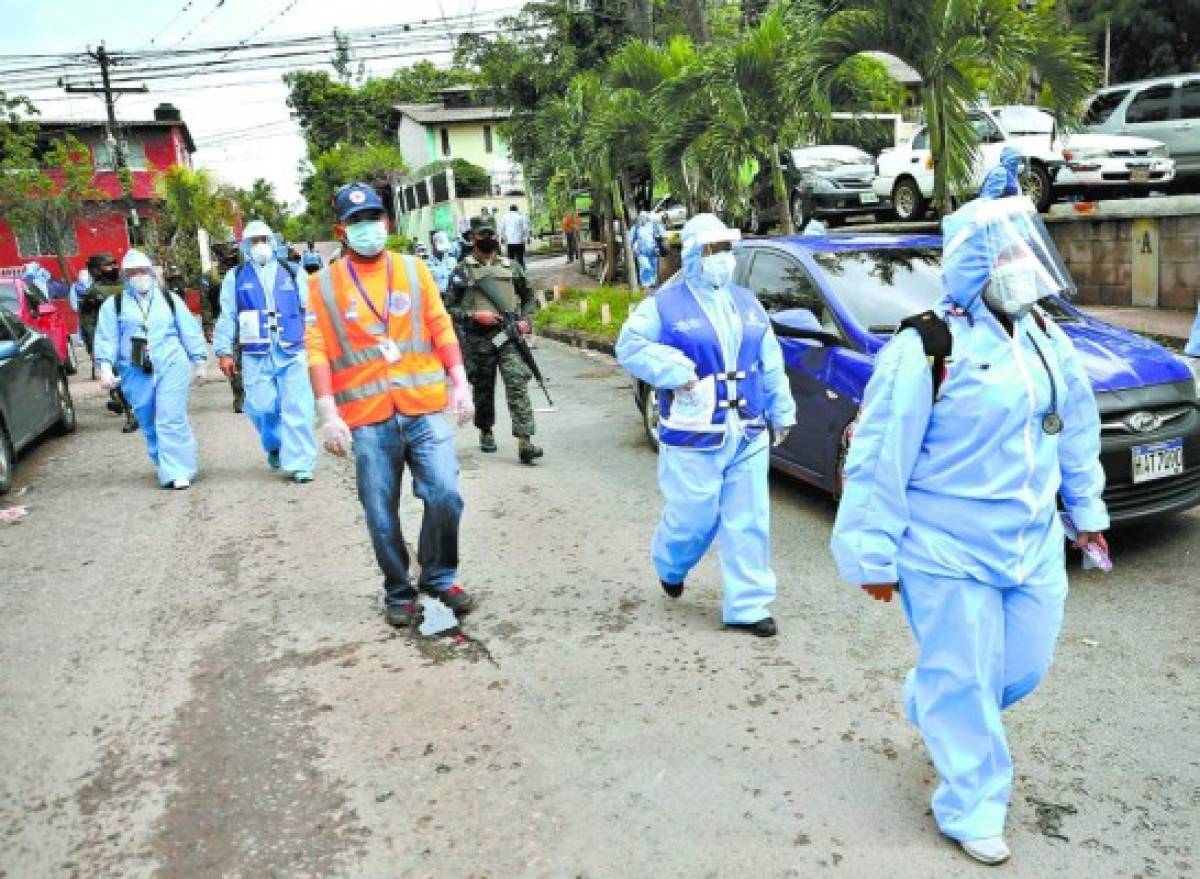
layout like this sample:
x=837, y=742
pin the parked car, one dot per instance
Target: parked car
x=669, y=211
x=1166, y=109
x=831, y=183
x=34, y=396
x=1095, y=163
x=36, y=311
x=905, y=174
x=857, y=289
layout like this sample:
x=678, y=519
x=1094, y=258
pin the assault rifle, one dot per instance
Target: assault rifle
x=510, y=332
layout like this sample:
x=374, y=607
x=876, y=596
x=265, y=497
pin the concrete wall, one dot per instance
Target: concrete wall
x=1143, y=252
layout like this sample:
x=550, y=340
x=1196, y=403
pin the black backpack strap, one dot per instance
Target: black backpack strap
x=937, y=341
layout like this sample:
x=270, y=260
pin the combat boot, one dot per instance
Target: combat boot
x=527, y=451
x=487, y=441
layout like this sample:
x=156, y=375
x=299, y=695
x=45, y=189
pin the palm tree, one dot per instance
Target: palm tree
x=959, y=47
x=192, y=200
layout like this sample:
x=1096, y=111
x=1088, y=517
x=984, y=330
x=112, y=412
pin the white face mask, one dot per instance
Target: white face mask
x=718, y=268
x=1013, y=290
x=141, y=283
x=261, y=252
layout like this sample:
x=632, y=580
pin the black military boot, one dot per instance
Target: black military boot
x=672, y=589
x=764, y=628
x=487, y=441
x=527, y=451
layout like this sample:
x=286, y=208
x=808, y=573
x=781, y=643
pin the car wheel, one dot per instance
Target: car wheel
x=1037, y=185
x=66, y=407
x=72, y=364
x=907, y=201
x=7, y=461
x=799, y=217
x=650, y=415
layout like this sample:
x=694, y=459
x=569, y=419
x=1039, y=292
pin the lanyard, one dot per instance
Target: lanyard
x=145, y=311
x=384, y=318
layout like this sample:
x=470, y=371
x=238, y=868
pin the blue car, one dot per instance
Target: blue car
x=835, y=300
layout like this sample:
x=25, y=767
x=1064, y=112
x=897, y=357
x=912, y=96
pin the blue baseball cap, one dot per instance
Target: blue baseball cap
x=354, y=199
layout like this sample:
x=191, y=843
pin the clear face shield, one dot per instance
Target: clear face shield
x=1005, y=251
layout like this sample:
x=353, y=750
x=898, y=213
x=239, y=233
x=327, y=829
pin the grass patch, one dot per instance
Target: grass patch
x=565, y=314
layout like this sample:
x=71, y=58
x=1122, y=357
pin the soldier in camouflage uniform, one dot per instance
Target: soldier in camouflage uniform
x=480, y=324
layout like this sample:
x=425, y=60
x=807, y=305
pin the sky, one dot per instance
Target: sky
x=240, y=122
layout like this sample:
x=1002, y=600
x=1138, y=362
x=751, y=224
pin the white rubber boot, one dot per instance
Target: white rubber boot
x=989, y=850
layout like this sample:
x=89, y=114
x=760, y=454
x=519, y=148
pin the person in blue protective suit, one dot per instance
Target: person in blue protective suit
x=708, y=348
x=441, y=260
x=647, y=240
x=148, y=342
x=1192, y=349
x=951, y=493
x=1005, y=178
x=264, y=308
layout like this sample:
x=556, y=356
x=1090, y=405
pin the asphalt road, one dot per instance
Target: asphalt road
x=199, y=684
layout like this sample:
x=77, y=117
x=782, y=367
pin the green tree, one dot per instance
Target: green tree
x=260, y=202
x=469, y=179
x=45, y=186
x=954, y=45
x=192, y=201
x=374, y=164
x=1148, y=37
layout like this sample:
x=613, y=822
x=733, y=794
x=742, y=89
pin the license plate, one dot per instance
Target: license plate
x=869, y=198
x=1139, y=175
x=1157, y=461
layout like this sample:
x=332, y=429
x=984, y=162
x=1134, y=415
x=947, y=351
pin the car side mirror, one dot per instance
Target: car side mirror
x=47, y=310
x=800, y=323
x=8, y=350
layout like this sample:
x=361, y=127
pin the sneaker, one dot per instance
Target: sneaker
x=672, y=589
x=181, y=484
x=764, y=628
x=302, y=476
x=456, y=598
x=527, y=451
x=114, y=407
x=129, y=426
x=990, y=850
x=487, y=441
x=402, y=615
x=273, y=460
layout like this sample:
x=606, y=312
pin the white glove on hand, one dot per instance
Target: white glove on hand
x=461, y=405
x=199, y=372
x=335, y=433
x=108, y=381
x=780, y=434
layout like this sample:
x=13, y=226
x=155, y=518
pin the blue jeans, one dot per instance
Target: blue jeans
x=426, y=444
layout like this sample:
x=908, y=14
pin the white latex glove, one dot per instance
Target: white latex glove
x=335, y=433
x=199, y=372
x=108, y=381
x=779, y=435
x=461, y=405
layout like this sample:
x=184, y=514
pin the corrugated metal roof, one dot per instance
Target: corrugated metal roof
x=50, y=125
x=431, y=114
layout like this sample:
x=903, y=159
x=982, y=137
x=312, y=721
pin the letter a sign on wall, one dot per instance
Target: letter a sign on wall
x=1145, y=263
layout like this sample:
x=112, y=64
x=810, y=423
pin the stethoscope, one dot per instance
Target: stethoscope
x=1052, y=423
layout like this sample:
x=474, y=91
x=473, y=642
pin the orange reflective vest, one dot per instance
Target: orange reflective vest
x=366, y=387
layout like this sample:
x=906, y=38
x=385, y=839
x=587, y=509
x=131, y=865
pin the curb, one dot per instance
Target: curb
x=579, y=340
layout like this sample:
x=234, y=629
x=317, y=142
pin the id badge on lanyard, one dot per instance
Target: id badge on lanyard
x=387, y=346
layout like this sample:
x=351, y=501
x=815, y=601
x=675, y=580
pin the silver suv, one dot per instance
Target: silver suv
x=1165, y=109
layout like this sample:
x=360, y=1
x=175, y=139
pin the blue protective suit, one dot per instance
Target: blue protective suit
x=644, y=240
x=441, y=261
x=279, y=398
x=1192, y=349
x=720, y=493
x=159, y=399
x=955, y=501
x=1005, y=178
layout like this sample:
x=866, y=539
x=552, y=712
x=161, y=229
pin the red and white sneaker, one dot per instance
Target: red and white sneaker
x=456, y=598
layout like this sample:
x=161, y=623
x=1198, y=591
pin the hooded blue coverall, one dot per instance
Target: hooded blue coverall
x=721, y=492
x=644, y=240
x=279, y=398
x=159, y=399
x=1005, y=178
x=955, y=502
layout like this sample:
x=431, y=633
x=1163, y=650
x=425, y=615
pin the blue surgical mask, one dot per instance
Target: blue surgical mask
x=367, y=238
x=718, y=268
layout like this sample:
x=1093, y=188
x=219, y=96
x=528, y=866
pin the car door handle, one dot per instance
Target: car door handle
x=915, y=160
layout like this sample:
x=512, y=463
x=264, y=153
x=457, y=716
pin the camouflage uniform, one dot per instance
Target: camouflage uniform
x=483, y=358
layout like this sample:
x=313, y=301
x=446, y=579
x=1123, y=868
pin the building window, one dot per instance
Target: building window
x=445, y=141
x=487, y=138
x=38, y=240
x=143, y=235
x=135, y=155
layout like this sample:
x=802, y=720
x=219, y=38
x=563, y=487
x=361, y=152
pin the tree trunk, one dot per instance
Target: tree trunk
x=625, y=191
x=781, y=193
x=642, y=19
x=695, y=18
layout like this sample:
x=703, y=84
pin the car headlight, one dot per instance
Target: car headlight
x=822, y=184
x=1085, y=154
x=1160, y=151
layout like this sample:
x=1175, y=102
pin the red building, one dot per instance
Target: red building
x=150, y=148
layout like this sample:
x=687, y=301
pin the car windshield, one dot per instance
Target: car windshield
x=1102, y=107
x=8, y=298
x=1025, y=120
x=882, y=287
x=829, y=157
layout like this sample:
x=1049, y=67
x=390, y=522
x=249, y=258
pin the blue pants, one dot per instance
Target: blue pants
x=426, y=444
x=159, y=402
x=980, y=648
x=647, y=269
x=279, y=401
x=720, y=494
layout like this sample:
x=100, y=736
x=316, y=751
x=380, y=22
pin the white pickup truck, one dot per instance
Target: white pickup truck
x=905, y=174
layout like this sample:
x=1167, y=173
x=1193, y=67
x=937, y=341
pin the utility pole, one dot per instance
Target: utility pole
x=101, y=57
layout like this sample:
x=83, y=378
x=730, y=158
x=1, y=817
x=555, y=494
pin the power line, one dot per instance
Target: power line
x=178, y=15
x=201, y=22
